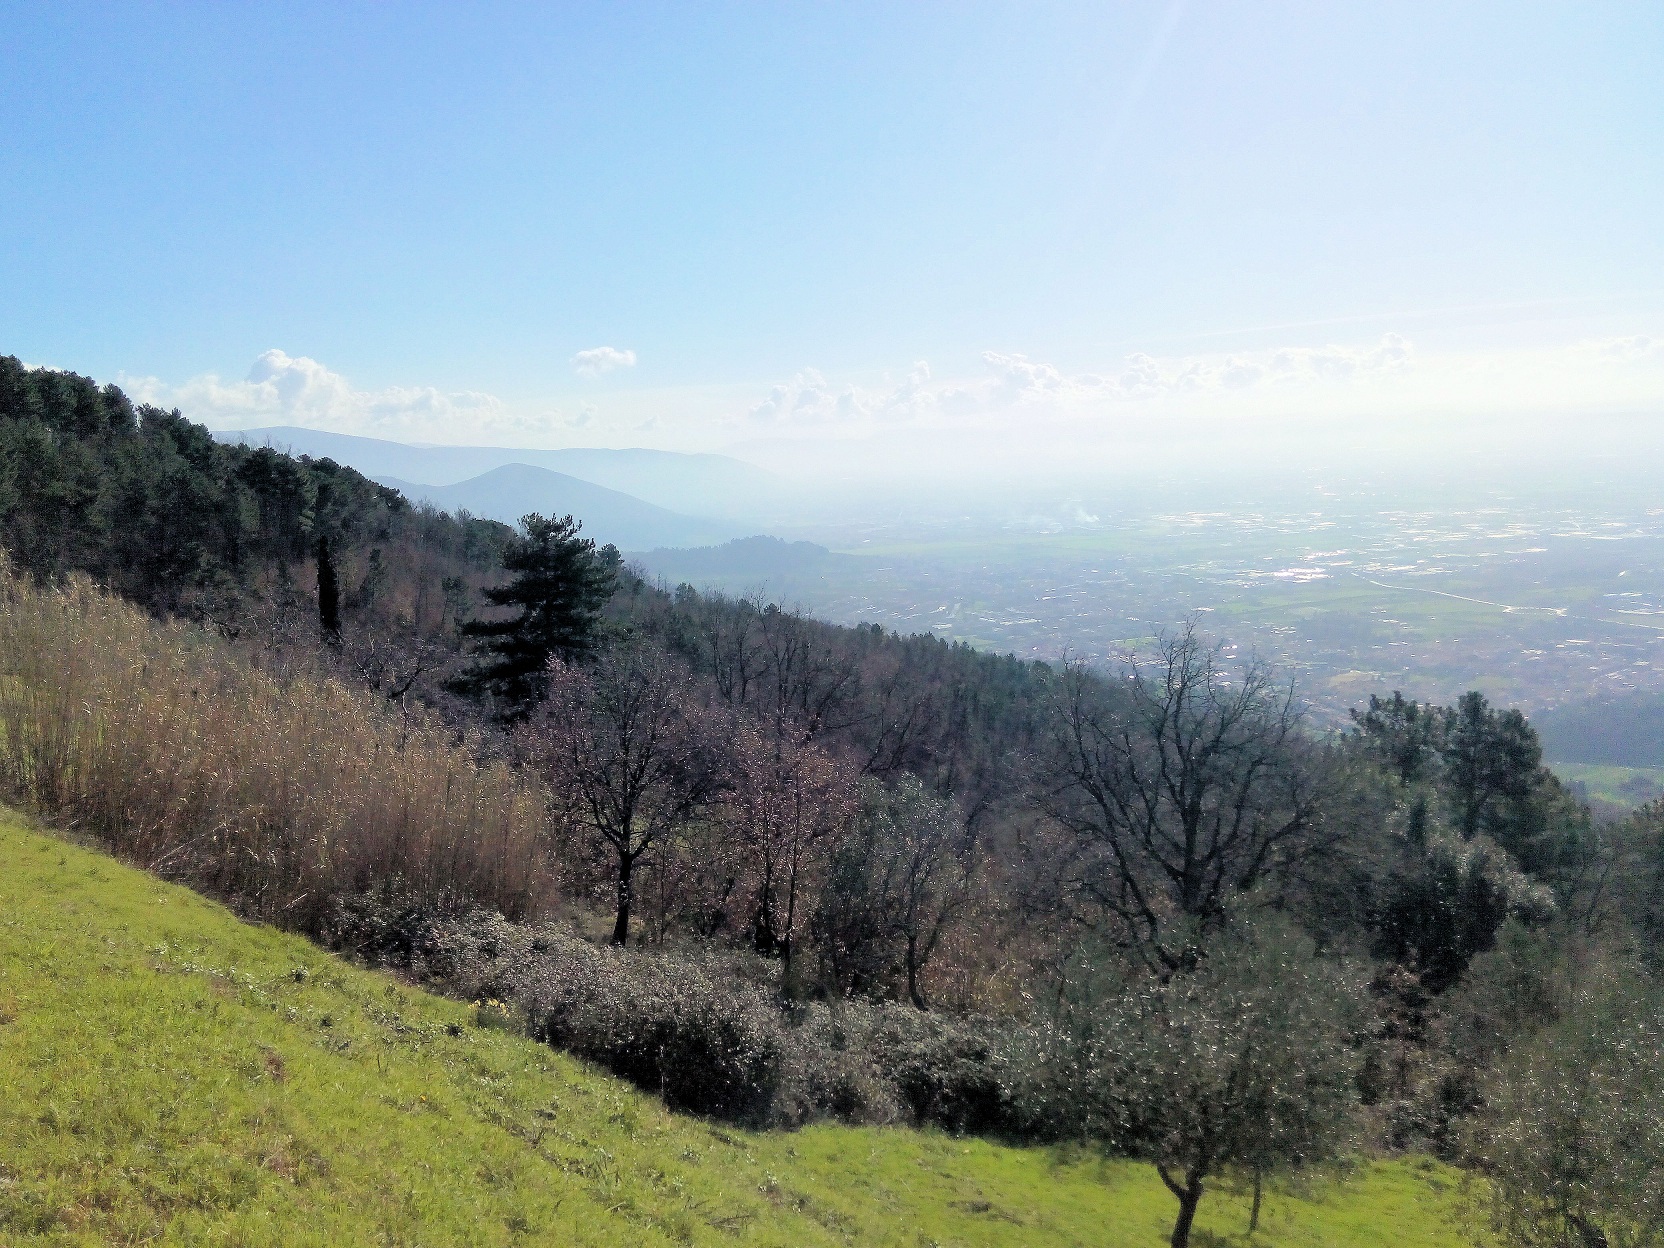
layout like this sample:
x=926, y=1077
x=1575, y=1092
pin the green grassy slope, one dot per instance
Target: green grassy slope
x=171, y=1075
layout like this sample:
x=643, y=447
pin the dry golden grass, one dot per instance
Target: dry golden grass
x=280, y=792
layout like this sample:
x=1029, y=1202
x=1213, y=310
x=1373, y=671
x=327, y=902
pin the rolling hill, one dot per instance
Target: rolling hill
x=509, y=492
x=170, y=1075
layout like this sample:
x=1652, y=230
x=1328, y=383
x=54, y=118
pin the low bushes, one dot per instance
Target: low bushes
x=954, y=1073
x=709, y=1031
x=706, y=1042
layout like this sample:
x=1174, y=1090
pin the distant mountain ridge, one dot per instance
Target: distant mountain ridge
x=514, y=490
x=699, y=484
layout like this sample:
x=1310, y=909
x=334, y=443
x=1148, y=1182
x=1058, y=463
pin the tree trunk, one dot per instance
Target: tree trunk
x=1190, y=1195
x=791, y=905
x=1189, y=1198
x=626, y=894
x=329, y=596
x=913, y=973
x=1254, y=1214
x=763, y=939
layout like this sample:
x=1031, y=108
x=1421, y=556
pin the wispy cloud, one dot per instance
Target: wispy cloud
x=997, y=404
x=1013, y=382
x=1330, y=402
x=598, y=361
x=1631, y=347
x=809, y=399
x=1144, y=376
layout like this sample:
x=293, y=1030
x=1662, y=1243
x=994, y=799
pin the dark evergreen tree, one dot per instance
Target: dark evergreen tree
x=1402, y=734
x=1496, y=784
x=560, y=583
x=1491, y=764
x=155, y=507
x=329, y=595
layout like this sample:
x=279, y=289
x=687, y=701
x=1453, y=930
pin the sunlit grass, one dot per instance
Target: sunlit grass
x=171, y=1075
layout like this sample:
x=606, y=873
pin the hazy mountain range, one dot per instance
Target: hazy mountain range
x=635, y=499
x=698, y=484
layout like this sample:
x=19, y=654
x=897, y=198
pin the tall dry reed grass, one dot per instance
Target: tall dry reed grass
x=284, y=795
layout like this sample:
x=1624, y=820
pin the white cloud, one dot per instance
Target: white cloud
x=998, y=407
x=809, y=399
x=284, y=389
x=1338, y=403
x=1018, y=379
x=597, y=361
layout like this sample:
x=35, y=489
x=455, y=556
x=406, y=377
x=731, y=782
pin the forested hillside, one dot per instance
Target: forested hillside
x=778, y=871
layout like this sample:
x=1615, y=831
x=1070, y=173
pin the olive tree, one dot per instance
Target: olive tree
x=1572, y=1138
x=900, y=882
x=1242, y=1064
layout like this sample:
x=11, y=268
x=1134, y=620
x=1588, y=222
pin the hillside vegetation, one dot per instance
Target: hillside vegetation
x=773, y=872
x=171, y=1075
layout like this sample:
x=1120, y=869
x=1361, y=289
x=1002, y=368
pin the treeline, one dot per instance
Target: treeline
x=842, y=872
x=152, y=506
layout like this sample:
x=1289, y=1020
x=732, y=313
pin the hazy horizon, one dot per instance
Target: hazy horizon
x=888, y=246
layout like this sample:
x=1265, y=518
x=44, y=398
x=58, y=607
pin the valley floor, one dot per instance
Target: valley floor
x=171, y=1075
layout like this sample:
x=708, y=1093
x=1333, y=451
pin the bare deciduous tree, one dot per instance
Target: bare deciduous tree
x=810, y=682
x=1180, y=788
x=788, y=804
x=626, y=746
x=901, y=882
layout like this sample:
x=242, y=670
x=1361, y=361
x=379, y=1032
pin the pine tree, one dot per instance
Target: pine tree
x=560, y=583
x=329, y=595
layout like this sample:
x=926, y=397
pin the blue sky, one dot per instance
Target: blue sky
x=815, y=225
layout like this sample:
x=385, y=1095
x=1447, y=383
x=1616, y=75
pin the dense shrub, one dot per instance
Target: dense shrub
x=684, y=1026
x=950, y=1072
x=829, y=1068
x=707, y=1043
x=711, y=1032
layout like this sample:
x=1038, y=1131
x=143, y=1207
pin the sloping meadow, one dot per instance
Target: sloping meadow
x=171, y=1076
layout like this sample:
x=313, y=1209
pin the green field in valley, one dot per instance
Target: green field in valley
x=171, y=1075
x=1622, y=786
